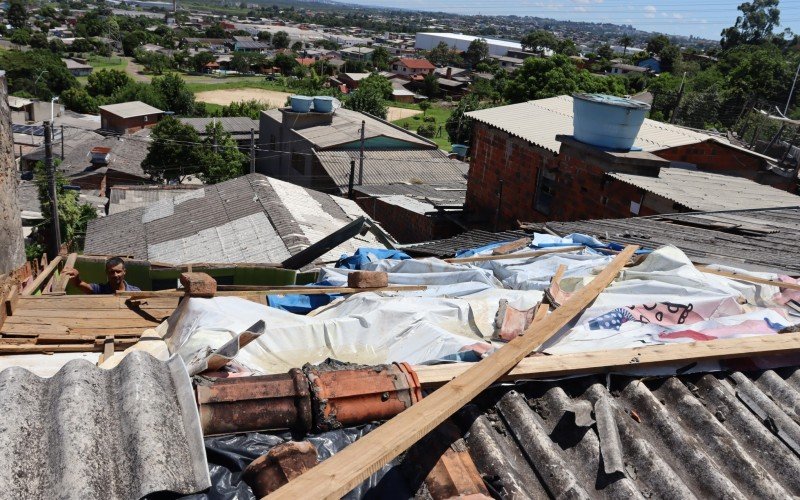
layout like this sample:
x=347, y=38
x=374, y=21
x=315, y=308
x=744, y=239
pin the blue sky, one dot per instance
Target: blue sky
x=681, y=17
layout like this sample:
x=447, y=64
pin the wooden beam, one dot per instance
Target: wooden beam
x=339, y=474
x=42, y=277
x=63, y=280
x=278, y=291
x=748, y=278
x=593, y=362
x=512, y=246
x=523, y=255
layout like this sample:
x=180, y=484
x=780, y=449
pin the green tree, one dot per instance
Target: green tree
x=430, y=85
x=539, y=40
x=567, y=47
x=56, y=46
x=139, y=91
x=656, y=44
x=78, y=99
x=132, y=41
x=17, y=14
x=378, y=83
x=220, y=158
x=173, y=152
x=626, y=42
x=73, y=216
x=380, y=58
x=106, y=82
x=264, y=36
x=605, y=52
x=459, y=126
x=285, y=62
x=239, y=62
x=38, y=72
x=280, y=40
x=424, y=106
x=177, y=97
x=367, y=100
x=199, y=60
x=477, y=51
x=251, y=109
x=21, y=36
x=539, y=78
x=153, y=62
x=297, y=46
x=215, y=31
x=39, y=41
x=755, y=24
x=443, y=55
x=81, y=45
x=670, y=58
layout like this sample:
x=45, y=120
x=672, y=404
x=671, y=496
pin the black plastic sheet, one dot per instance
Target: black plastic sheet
x=228, y=456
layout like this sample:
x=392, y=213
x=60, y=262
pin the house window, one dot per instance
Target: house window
x=545, y=190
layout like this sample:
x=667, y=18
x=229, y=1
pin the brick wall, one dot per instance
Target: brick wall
x=715, y=157
x=581, y=190
x=405, y=225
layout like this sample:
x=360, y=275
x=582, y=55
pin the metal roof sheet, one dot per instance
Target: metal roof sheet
x=430, y=166
x=707, y=191
x=89, y=432
x=130, y=109
x=540, y=121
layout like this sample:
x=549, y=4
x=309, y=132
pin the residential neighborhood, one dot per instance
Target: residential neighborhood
x=325, y=249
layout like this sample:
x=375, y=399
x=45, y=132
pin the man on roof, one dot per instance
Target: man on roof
x=115, y=274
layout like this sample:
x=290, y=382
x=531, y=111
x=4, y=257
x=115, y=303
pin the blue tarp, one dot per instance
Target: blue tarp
x=366, y=255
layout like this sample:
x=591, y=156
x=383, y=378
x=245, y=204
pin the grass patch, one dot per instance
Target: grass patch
x=203, y=83
x=440, y=114
x=100, y=62
x=212, y=108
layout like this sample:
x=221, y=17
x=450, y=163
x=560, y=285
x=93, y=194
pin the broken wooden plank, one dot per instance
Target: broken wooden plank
x=512, y=246
x=521, y=255
x=615, y=360
x=748, y=278
x=342, y=472
x=42, y=277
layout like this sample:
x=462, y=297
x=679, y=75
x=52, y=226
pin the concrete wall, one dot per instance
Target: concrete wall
x=406, y=225
x=12, y=247
x=120, y=125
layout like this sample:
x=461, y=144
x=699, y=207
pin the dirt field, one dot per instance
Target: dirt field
x=276, y=99
x=224, y=97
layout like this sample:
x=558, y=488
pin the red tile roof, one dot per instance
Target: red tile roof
x=305, y=61
x=417, y=63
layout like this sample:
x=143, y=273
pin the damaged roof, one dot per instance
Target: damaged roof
x=250, y=219
x=431, y=166
x=89, y=432
x=763, y=239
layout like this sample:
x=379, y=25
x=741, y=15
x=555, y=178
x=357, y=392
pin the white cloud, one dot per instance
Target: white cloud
x=650, y=11
x=579, y=9
x=677, y=15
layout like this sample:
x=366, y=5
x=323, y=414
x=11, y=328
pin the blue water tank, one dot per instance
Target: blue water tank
x=460, y=149
x=323, y=104
x=301, y=103
x=606, y=121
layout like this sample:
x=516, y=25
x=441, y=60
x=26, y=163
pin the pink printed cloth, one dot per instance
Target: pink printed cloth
x=786, y=294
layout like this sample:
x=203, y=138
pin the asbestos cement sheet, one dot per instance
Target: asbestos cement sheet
x=88, y=432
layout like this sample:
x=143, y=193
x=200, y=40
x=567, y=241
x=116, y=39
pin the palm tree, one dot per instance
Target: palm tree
x=625, y=41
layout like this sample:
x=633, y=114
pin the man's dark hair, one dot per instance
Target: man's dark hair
x=115, y=261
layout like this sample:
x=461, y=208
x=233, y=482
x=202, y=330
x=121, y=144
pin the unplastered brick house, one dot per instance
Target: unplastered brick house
x=525, y=166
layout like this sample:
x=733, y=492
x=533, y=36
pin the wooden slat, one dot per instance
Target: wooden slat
x=278, y=291
x=43, y=276
x=521, y=255
x=95, y=302
x=63, y=280
x=615, y=360
x=511, y=246
x=79, y=322
x=748, y=278
x=96, y=346
x=339, y=474
x=68, y=314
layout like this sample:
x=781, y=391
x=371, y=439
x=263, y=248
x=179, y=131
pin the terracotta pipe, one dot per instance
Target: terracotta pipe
x=243, y=404
x=345, y=396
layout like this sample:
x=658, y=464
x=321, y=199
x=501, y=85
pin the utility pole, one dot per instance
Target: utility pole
x=252, y=151
x=789, y=99
x=62, y=142
x=361, y=157
x=51, y=177
x=350, y=183
x=214, y=128
x=674, y=115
